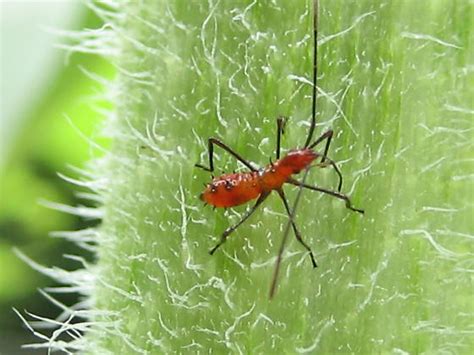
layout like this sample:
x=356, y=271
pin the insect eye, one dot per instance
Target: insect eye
x=213, y=188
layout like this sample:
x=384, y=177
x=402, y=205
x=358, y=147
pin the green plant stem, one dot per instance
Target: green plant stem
x=396, y=87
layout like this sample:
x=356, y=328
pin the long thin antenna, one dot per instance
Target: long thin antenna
x=286, y=233
x=315, y=72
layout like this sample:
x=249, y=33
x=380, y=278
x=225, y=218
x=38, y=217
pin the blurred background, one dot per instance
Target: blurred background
x=41, y=84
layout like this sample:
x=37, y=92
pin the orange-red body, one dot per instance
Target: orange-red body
x=235, y=189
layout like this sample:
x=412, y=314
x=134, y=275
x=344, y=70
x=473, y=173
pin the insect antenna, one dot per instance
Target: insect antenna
x=286, y=233
x=315, y=73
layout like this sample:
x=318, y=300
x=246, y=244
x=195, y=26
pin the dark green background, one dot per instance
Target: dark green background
x=45, y=145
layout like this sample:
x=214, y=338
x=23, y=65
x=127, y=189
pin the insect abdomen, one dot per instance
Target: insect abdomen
x=296, y=160
x=232, y=189
x=275, y=175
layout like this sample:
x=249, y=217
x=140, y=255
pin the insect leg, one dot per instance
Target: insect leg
x=297, y=233
x=338, y=172
x=281, y=122
x=325, y=136
x=291, y=215
x=229, y=150
x=329, y=192
x=229, y=230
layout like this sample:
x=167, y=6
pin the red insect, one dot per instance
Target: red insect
x=234, y=189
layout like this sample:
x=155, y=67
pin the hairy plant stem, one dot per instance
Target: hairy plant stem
x=395, y=86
